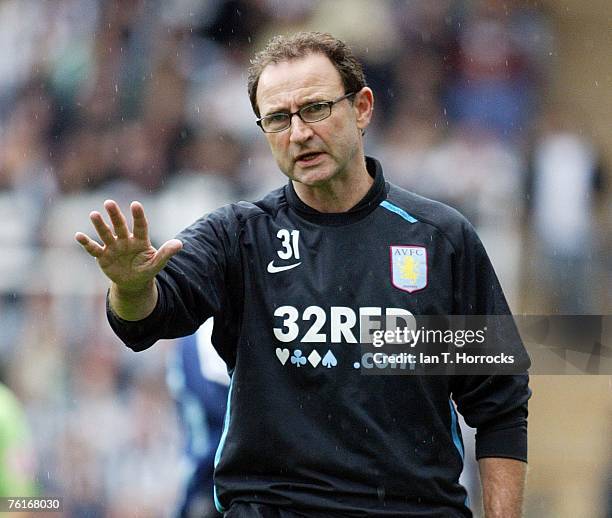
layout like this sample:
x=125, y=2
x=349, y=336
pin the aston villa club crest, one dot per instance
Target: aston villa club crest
x=409, y=267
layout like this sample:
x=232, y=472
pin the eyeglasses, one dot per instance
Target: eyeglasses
x=310, y=113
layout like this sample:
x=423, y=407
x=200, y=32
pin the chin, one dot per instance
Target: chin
x=315, y=175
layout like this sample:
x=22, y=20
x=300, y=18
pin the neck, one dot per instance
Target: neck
x=340, y=193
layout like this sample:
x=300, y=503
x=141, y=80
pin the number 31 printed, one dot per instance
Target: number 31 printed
x=289, y=241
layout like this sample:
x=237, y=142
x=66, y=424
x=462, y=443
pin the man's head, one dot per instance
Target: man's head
x=293, y=72
x=287, y=48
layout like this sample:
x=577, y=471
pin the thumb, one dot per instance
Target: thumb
x=165, y=253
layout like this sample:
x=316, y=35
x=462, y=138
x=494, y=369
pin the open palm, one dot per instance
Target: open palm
x=127, y=258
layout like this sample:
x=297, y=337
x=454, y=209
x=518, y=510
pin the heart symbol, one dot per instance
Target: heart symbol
x=282, y=355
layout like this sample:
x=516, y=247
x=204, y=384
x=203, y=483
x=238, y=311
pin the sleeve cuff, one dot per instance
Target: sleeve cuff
x=137, y=335
x=508, y=442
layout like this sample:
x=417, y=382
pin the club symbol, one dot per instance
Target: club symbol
x=297, y=359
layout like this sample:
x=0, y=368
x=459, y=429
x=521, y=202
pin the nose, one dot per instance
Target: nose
x=299, y=130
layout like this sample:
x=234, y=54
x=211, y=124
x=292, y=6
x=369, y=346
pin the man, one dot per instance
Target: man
x=17, y=465
x=198, y=381
x=290, y=280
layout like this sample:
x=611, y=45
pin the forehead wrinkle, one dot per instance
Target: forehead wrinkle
x=291, y=84
x=301, y=97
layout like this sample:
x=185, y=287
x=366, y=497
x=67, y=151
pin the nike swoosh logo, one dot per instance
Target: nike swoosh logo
x=275, y=269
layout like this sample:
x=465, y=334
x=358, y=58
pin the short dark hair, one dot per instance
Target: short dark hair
x=287, y=47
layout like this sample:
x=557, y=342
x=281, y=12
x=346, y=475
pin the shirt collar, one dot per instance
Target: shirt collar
x=368, y=203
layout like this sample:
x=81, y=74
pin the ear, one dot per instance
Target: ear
x=363, y=105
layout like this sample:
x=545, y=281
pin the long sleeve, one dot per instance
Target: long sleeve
x=496, y=405
x=195, y=284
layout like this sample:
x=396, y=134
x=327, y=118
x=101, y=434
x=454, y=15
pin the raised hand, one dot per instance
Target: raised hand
x=127, y=258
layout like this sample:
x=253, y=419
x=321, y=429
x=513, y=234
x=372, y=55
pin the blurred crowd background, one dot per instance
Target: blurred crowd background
x=498, y=108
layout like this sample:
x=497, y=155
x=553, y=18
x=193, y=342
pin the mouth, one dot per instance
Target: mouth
x=310, y=158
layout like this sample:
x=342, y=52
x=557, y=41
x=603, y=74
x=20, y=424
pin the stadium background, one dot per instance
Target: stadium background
x=501, y=109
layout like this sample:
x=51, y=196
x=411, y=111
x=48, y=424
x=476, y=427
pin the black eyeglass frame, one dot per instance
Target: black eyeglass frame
x=290, y=115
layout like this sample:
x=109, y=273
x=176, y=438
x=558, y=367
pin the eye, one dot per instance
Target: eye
x=314, y=110
x=276, y=118
x=275, y=121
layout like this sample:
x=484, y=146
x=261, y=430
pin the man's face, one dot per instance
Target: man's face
x=314, y=153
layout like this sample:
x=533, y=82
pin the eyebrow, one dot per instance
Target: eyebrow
x=313, y=100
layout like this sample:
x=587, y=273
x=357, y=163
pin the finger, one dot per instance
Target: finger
x=90, y=246
x=117, y=219
x=165, y=253
x=102, y=228
x=141, y=227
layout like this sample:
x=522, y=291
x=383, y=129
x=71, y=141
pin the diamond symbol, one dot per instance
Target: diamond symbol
x=314, y=358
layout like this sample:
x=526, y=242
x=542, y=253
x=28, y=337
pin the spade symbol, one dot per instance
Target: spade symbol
x=329, y=360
